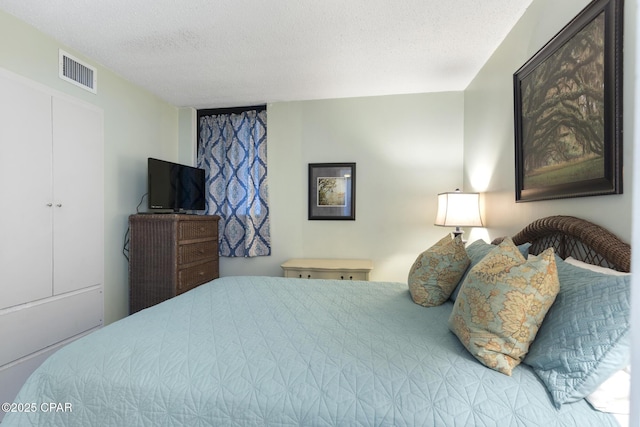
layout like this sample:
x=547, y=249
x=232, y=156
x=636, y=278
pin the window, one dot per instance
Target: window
x=232, y=149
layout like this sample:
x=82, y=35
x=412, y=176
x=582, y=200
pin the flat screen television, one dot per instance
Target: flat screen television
x=175, y=186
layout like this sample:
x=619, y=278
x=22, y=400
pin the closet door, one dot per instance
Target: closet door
x=25, y=193
x=78, y=205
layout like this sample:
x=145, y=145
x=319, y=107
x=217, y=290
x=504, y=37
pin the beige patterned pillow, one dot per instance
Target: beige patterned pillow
x=437, y=271
x=502, y=303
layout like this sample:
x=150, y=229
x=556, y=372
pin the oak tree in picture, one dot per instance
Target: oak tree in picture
x=563, y=112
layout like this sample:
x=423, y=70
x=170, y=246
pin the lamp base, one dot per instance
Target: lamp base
x=458, y=232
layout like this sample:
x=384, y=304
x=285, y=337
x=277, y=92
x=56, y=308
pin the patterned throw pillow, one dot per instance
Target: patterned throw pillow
x=502, y=303
x=478, y=250
x=436, y=272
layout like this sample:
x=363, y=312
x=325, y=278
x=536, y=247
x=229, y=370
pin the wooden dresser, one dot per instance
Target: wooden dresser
x=335, y=269
x=170, y=254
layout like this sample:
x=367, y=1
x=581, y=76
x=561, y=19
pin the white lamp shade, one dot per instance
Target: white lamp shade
x=457, y=209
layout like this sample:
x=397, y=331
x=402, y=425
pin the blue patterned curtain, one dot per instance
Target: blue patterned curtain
x=233, y=151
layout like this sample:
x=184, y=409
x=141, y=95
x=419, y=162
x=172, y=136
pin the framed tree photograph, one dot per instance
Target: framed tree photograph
x=568, y=110
x=332, y=191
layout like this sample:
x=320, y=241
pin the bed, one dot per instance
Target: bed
x=266, y=351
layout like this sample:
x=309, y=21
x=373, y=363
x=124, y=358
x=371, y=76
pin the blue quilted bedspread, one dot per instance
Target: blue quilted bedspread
x=260, y=351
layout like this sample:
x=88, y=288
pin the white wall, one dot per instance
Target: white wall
x=407, y=148
x=137, y=125
x=489, y=133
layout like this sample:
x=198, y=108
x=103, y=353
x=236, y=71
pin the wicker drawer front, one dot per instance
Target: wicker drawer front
x=188, y=230
x=189, y=278
x=170, y=254
x=197, y=252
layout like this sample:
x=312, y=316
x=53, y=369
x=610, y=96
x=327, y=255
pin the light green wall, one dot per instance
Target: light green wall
x=137, y=125
x=407, y=148
x=187, y=134
x=395, y=194
x=489, y=133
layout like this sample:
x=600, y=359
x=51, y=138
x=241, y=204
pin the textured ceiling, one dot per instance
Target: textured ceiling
x=213, y=53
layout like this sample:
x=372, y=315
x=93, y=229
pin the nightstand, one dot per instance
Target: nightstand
x=337, y=269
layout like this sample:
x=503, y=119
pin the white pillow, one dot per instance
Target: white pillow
x=613, y=395
x=596, y=268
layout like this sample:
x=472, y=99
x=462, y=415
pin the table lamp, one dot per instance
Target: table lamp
x=458, y=209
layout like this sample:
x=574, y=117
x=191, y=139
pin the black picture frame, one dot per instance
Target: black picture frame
x=568, y=110
x=332, y=191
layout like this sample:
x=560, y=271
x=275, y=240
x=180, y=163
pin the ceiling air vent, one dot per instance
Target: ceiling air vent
x=80, y=74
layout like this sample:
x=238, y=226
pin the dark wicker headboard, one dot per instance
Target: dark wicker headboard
x=578, y=238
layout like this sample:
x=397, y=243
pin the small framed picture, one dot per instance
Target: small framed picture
x=332, y=191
